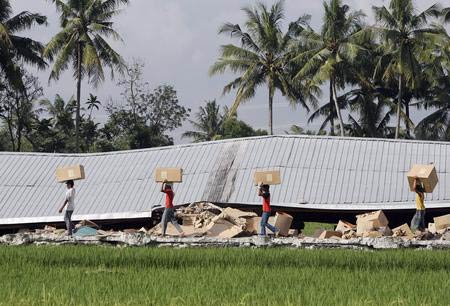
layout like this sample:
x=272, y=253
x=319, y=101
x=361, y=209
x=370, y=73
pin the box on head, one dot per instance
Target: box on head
x=426, y=174
x=173, y=175
x=267, y=177
x=67, y=173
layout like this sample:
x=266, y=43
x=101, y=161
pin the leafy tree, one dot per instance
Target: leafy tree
x=327, y=55
x=81, y=43
x=264, y=57
x=212, y=124
x=298, y=130
x=15, y=49
x=17, y=107
x=404, y=35
x=209, y=124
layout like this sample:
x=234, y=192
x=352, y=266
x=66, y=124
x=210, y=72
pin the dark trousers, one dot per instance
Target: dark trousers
x=68, y=221
x=169, y=216
x=418, y=221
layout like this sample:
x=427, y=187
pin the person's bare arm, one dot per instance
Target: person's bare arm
x=62, y=207
x=416, y=180
x=163, y=186
x=260, y=193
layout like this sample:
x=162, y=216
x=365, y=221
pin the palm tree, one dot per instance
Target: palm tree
x=209, y=124
x=92, y=103
x=263, y=58
x=327, y=55
x=61, y=113
x=404, y=35
x=16, y=49
x=81, y=42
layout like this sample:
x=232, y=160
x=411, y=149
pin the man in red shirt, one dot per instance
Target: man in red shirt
x=263, y=191
x=168, y=214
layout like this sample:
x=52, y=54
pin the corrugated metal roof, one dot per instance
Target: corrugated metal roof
x=317, y=172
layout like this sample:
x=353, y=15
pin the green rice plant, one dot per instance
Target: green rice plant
x=96, y=275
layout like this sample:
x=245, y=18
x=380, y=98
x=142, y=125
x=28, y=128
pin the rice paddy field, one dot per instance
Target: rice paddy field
x=94, y=275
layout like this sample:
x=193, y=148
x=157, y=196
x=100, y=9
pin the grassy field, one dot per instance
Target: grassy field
x=82, y=275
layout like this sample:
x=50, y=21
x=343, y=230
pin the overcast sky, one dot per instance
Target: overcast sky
x=178, y=41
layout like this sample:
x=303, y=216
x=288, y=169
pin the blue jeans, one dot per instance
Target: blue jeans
x=264, y=219
x=68, y=221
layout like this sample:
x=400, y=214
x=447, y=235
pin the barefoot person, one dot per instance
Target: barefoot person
x=69, y=205
x=418, y=221
x=263, y=191
x=168, y=214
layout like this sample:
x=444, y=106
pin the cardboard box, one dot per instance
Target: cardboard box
x=330, y=234
x=427, y=175
x=283, y=223
x=364, y=226
x=403, y=230
x=267, y=177
x=344, y=226
x=442, y=222
x=377, y=217
x=70, y=173
x=432, y=228
x=173, y=175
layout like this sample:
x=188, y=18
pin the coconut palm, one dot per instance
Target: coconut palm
x=209, y=124
x=263, y=57
x=92, y=103
x=81, y=43
x=327, y=55
x=404, y=35
x=15, y=49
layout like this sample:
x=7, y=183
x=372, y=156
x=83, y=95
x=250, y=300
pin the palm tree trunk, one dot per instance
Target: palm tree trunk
x=408, y=132
x=399, y=106
x=77, y=115
x=338, y=109
x=271, y=92
x=331, y=110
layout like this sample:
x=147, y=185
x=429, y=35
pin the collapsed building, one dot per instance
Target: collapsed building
x=323, y=179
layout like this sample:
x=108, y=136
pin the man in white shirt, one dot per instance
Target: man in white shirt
x=69, y=204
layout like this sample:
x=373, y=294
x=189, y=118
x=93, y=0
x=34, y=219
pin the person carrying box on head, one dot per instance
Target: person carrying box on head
x=418, y=221
x=69, y=205
x=168, y=214
x=264, y=192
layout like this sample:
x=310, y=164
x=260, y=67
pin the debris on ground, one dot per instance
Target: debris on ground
x=403, y=231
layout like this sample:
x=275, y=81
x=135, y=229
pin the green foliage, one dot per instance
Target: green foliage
x=81, y=43
x=89, y=275
x=16, y=50
x=213, y=124
x=264, y=57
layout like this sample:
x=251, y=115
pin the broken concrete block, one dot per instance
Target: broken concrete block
x=372, y=234
x=442, y=222
x=403, y=230
x=344, y=226
x=329, y=234
x=283, y=223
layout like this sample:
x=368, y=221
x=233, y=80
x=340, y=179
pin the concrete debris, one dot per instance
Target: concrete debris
x=121, y=239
